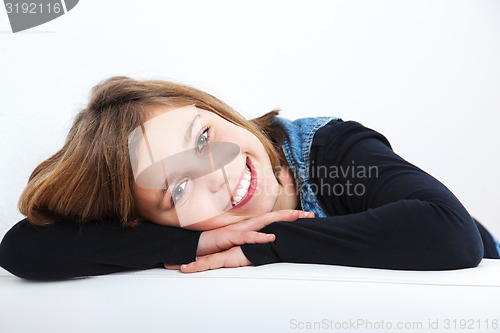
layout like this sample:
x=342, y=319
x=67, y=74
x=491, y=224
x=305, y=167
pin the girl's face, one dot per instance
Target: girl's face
x=210, y=182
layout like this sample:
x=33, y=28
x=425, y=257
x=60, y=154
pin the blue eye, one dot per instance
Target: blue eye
x=202, y=140
x=178, y=192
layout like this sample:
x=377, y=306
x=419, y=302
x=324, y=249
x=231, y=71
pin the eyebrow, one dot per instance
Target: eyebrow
x=159, y=201
x=189, y=132
x=162, y=193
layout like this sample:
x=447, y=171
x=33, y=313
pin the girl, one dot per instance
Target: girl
x=96, y=206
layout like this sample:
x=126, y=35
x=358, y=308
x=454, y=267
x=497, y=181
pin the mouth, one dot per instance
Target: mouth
x=245, y=189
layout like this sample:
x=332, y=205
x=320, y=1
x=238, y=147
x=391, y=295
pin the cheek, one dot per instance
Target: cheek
x=203, y=206
x=215, y=222
x=168, y=218
x=146, y=204
x=229, y=132
x=142, y=198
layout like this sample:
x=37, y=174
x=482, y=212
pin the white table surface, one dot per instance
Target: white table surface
x=272, y=298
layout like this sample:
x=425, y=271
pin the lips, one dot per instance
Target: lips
x=245, y=189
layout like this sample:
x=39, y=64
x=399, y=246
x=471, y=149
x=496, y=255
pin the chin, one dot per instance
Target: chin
x=197, y=227
x=204, y=225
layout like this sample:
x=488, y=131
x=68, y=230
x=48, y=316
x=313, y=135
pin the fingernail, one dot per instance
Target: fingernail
x=183, y=266
x=269, y=236
x=308, y=213
x=292, y=211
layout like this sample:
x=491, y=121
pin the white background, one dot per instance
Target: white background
x=424, y=73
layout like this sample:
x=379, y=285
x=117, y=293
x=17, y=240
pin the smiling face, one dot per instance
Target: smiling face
x=196, y=170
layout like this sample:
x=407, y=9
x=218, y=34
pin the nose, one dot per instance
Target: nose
x=221, y=155
x=217, y=181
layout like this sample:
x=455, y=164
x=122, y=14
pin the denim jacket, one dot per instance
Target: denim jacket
x=297, y=146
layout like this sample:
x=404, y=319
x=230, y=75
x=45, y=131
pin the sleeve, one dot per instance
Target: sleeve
x=394, y=217
x=65, y=249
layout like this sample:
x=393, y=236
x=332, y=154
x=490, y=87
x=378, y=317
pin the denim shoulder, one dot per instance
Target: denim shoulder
x=297, y=147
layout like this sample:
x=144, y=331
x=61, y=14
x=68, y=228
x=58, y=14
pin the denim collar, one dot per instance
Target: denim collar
x=297, y=148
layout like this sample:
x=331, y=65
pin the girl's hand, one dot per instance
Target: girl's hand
x=233, y=257
x=243, y=232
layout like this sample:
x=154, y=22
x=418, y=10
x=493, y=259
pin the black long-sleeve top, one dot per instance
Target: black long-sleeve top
x=397, y=217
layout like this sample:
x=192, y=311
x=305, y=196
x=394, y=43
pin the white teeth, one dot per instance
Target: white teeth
x=245, y=184
x=241, y=192
x=248, y=175
x=243, y=187
x=237, y=199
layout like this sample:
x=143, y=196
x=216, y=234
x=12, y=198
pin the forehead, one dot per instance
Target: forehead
x=164, y=134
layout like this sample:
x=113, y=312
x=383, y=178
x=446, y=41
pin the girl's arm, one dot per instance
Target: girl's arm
x=397, y=217
x=65, y=249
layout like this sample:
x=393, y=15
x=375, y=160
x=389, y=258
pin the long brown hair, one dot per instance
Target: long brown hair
x=90, y=178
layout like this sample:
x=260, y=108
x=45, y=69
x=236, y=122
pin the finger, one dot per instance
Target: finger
x=212, y=261
x=303, y=214
x=250, y=237
x=253, y=237
x=259, y=222
x=172, y=267
x=233, y=257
